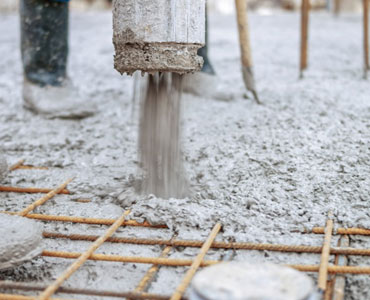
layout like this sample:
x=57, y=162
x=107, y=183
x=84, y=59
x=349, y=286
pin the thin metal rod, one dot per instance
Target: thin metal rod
x=180, y=290
x=82, y=259
x=29, y=190
x=94, y=221
x=16, y=165
x=21, y=297
x=305, y=7
x=217, y=245
x=366, y=35
x=325, y=255
x=30, y=167
x=333, y=269
x=336, y=7
x=185, y=262
x=45, y=198
x=342, y=231
x=329, y=289
x=340, y=280
x=129, y=259
x=87, y=292
x=150, y=274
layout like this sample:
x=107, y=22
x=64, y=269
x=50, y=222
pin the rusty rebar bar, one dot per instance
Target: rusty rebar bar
x=330, y=287
x=30, y=167
x=170, y=262
x=21, y=297
x=16, y=165
x=325, y=255
x=342, y=231
x=354, y=270
x=329, y=290
x=216, y=245
x=340, y=280
x=91, y=221
x=45, y=198
x=150, y=274
x=180, y=290
x=87, y=292
x=366, y=35
x=305, y=7
x=48, y=292
x=29, y=190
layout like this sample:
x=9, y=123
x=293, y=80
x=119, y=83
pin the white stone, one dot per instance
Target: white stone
x=246, y=281
x=20, y=240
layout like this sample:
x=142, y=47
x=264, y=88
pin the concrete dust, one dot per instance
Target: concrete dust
x=159, y=137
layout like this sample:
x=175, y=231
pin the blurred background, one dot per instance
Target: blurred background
x=221, y=6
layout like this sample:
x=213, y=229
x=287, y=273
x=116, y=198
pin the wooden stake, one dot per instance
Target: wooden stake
x=82, y=259
x=333, y=269
x=336, y=9
x=245, y=47
x=305, y=7
x=366, y=36
x=180, y=290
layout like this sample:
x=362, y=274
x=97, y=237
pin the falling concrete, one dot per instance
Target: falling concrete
x=160, y=152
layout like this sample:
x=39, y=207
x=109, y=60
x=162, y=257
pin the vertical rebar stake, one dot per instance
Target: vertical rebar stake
x=47, y=293
x=325, y=255
x=366, y=36
x=179, y=292
x=305, y=7
x=336, y=7
x=340, y=280
x=43, y=199
x=16, y=165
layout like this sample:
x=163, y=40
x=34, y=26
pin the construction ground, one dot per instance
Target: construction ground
x=268, y=173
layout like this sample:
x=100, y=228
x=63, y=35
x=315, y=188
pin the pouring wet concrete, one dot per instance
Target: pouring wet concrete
x=265, y=172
